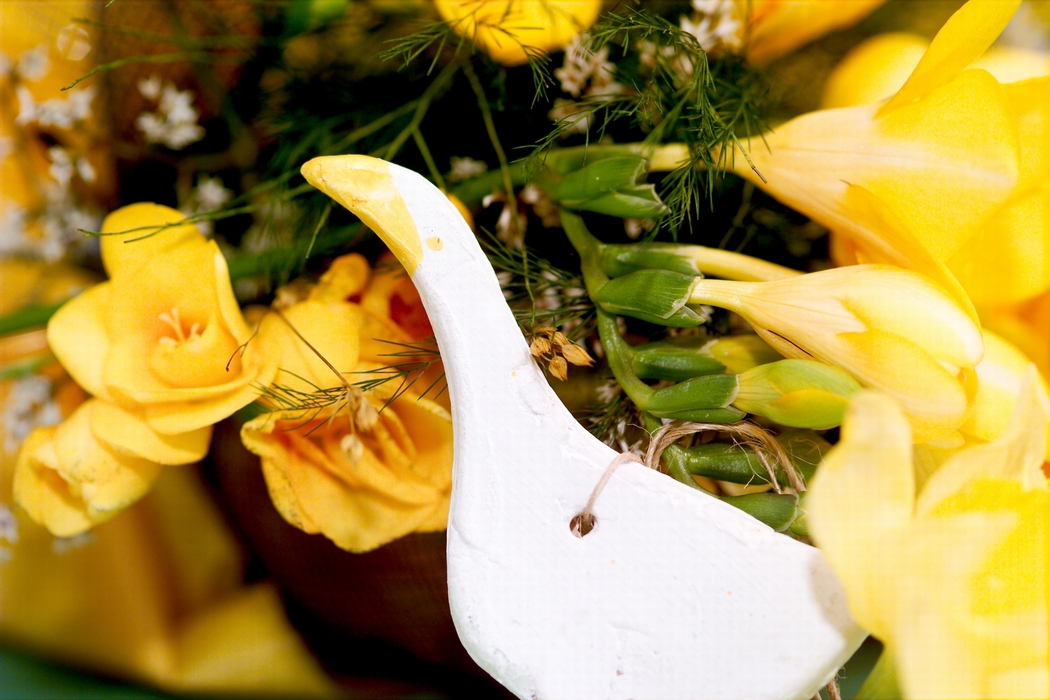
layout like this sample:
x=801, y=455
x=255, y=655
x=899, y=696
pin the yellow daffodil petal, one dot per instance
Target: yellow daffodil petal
x=77, y=335
x=246, y=646
x=1030, y=102
x=504, y=29
x=129, y=433
x=123, y=255
x=930, y=319
x=107, y=480
x=861, y=496
x=780, y=26
x=947, y=641
x=965, y=36
x=877, y=235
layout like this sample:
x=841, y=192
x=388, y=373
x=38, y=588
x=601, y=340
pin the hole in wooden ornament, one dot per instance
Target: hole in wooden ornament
x=582, y=524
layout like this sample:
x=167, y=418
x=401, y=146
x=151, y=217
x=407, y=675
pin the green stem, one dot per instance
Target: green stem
x=422, y=105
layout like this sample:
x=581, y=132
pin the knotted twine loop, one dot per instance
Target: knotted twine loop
x=769, y=452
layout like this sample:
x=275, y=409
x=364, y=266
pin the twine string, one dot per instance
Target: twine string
x=769, y=452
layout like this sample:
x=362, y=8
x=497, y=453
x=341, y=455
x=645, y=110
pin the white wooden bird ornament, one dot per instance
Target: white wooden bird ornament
x=673, y=594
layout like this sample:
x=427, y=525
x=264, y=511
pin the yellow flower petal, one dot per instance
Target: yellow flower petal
x=68, y=480
x=77, y=335
x=862, y=497
x=1016, y=455
x=780, y=26
x=129, y=433
x=123, y=255
x=1008, y=259
x=41, y=491
x=874, y=70
x=964, y=37
x=389, y=489
x=505, y=28
x=942, y=165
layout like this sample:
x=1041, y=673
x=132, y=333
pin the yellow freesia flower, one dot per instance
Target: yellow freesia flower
x=506, y=29
x=1026, y=325
x=1001, y=376
x=94, y=464
x=357, y=474
x=163, y=337
x=911, y=181
x=1007, y=258
x=890, y=328
x=776, y=27
x=952, y=577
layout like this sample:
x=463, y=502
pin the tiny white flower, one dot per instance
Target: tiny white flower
x=64, y=545
x=34, y=64
x=465, y=168
x=28, y=405
x=79, y=101
x=27, y=109
x=150, y=88
x=8, y=524
x=86, y=170
x=61, y=168
x=211, y=194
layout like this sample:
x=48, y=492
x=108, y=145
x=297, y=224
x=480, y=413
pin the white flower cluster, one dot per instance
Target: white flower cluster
x=208, y=195
x=583, y=74
x=465, y=168
x=29, y=405
x=8, y=532
x=174, y=124
x=715, y=25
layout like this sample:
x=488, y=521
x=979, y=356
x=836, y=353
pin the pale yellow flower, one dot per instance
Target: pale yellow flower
x=890, y=328
x=911, y=181
x=504, y=29
x=163, y=337
x=1006, y=259
x=365, y=468
x=952, y=577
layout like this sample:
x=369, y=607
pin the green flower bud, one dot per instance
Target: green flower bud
x=598, y=178
x=778, y=510
x=657, y=296
x=610, y=186
x=620, y=260
x=797, y=393
x=739, y=353
x=704, y=399
x=674, y=359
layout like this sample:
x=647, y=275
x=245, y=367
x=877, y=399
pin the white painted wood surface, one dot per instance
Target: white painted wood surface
x=673, y=595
